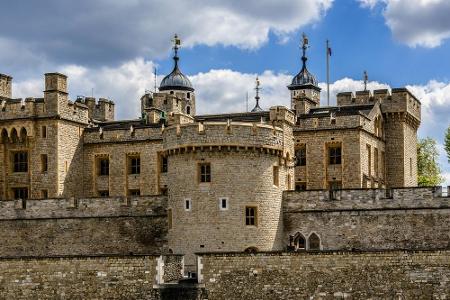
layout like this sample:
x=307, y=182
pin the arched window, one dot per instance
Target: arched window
x=23, y=135
x=299, y=242
x=188, y=110
x=4, y=136
x=313, y=242
x=14, y=136
x=188, y=95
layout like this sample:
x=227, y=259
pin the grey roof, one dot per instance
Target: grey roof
x=304, y=77
x=176, y=80
x=238, y=117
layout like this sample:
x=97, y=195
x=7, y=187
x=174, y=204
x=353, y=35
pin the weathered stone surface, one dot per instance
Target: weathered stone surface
x=329, y=275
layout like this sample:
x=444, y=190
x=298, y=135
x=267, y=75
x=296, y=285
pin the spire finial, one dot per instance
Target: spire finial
x=366, y=80
x=304, y=47
x=257, y=89
x=176, y=45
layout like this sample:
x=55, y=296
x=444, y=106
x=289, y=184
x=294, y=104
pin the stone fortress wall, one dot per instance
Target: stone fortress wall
x=83, y=226
x=369, y=219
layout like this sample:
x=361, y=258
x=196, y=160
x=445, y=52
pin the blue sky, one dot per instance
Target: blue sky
x=112, y=46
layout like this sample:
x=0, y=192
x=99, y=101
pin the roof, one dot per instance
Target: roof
x=239, y=117
x=363, y=109
x=176, y=80
x=124, y=124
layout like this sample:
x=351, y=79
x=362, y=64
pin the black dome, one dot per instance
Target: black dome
x=176, y=80
x=304, y=78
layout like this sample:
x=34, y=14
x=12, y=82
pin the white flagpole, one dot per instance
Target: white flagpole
x=328, y=73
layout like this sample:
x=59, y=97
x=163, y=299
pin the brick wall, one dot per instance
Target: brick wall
x=330, y=275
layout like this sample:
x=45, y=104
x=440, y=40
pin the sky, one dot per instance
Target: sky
x=110, y=48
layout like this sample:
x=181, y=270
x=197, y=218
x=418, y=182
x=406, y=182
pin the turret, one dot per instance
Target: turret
x=5, y=86
x=55, y=94
x=305, y=92
x=176, y=89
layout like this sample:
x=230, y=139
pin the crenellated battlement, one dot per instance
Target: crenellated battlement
x=83, y=207
x=398, y=100
x=114, y=132
x=365, y=199
x=101, y=110
x=223, y=135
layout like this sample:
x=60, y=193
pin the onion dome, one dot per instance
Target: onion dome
x=176, y=80
x=304, y=78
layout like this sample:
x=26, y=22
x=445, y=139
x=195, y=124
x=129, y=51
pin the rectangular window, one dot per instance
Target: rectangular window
x=375, y=161
x=383, y=171
x=164, y=164
x=20, y=193
x=369, y=159
x=20, y=162
x=134, y=192
x=276, y=175
x=103, y=193
x=135, y=165
x=300, y=155
x=44, y=163
x=187, y=204
x=169, y=217
x=103, y=167
x=44, y=194
x=334, y=155
x=44, y=132
x=300, y=186
x=205, y=172
x=251, y=215
x=223, y=203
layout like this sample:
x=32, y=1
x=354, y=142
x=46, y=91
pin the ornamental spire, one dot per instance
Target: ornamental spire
x=257, y=88
x=305, y=46
x=176, y=45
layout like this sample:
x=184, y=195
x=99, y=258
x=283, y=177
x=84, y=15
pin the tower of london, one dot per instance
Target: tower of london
x=268, y=201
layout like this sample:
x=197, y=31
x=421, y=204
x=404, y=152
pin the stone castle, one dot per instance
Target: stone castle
x=142, y=202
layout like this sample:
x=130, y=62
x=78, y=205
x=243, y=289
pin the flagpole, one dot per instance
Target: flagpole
x=328, y=73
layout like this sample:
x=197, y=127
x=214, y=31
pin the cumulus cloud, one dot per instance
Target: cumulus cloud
x=106, y=31
x=220, y=91
x=422, y=23
x=124, y=84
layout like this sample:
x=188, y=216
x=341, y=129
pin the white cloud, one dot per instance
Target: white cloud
x=103, y=32
x=124, y=84
x=368, y=3
x=219, y=91
x=422, y=23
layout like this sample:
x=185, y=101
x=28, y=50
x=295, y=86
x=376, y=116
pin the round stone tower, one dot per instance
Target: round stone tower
x=226, y=181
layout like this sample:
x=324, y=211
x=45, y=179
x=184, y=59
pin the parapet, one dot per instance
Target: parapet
x=400, y=100
x=223, y=135
x=282, y=114
x=102, y=111
x=364, y=199
x=83, y=208
x=122, y=131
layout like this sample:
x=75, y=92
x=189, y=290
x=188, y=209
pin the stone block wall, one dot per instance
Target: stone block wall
x=368, y=219
x=72, y=277
x=83, y=226
x=329, y=275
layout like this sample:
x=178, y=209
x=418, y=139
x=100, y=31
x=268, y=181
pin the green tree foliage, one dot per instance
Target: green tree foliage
x=429, y=173
x=447, y=143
